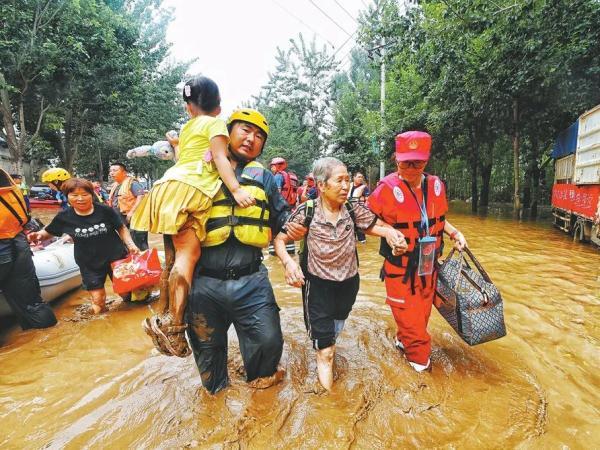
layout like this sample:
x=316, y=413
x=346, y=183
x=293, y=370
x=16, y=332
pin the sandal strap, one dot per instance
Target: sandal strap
x=174, y=329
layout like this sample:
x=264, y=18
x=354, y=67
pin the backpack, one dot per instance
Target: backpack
x=309, y=214
x=290, y=187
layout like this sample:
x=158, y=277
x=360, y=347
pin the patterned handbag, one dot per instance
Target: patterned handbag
x=468, y=300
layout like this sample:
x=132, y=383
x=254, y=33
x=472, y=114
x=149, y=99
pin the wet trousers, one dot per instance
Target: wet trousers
x=411, y=312
x=21, y=287
x=249, y=304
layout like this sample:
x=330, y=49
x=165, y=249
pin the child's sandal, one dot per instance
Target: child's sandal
x=157, y=344
x=168, y=339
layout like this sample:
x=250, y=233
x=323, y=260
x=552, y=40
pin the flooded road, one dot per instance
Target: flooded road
x=98, y=383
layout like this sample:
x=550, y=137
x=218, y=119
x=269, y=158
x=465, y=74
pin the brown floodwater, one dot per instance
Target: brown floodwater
x=97, y=383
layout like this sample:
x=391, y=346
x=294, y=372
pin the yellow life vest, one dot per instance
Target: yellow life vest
x=13, y=213
x=249, y=225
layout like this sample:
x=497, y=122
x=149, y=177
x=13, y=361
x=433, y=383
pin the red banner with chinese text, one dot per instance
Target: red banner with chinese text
x=582, y=199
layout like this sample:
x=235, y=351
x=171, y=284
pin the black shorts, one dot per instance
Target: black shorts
x=94, y=278
x=325, y=301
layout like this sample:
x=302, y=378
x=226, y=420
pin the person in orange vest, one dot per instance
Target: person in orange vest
x=18, y=280
x=415, y=203
x=287, y=181
x=125, y=196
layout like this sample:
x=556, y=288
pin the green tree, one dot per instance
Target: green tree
x=29, y=56
x=297, y=103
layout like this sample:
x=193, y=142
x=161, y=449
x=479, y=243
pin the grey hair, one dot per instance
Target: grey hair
x=323, y=167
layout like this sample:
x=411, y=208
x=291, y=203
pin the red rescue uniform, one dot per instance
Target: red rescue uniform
x=409, y=295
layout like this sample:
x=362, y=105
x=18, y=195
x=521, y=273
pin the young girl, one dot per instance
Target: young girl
x=329, y=265
x=99, y=235
x=178, y=205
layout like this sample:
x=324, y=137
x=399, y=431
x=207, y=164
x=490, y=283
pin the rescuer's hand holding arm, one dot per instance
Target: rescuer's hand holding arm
x=293, y=272
x=295, y=231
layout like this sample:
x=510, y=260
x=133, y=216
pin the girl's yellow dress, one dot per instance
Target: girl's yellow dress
x=183, y=196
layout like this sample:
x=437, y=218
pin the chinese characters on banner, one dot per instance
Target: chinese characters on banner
x=578, y=199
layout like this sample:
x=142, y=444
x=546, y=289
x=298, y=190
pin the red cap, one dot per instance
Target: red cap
x=413, y=146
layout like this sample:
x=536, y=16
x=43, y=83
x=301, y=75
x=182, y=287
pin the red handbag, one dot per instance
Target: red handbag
x=136, y=272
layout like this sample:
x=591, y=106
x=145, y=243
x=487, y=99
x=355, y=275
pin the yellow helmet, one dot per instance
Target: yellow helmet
x=55, y=174
x=251, y=116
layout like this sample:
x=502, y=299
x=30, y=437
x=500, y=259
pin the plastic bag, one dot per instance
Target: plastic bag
x=136, y=272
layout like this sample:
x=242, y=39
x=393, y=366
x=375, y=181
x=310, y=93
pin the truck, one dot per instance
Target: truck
x=576, y=188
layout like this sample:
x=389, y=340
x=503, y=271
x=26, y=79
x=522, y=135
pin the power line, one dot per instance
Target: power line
x=329, y=17
x=344, y=43
x=302, y=22
x=345, y=10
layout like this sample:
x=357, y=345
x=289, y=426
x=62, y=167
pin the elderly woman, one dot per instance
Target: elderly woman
x=414, y=202
x=328, y=264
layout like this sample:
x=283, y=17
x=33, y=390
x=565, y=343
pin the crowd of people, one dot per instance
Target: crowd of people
x=217, y=208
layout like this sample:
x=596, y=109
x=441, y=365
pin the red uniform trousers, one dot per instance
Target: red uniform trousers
x=411, y=311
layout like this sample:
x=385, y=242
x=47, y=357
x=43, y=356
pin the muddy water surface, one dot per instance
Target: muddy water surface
x=97, y=383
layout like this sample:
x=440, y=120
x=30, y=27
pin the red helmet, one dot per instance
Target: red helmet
x=278, y=161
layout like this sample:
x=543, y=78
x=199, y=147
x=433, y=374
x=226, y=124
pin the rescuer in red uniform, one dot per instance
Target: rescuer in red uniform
x=415, y=203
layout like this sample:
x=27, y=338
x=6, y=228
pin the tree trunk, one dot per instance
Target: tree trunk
x=535, y=183
x=474, y=159
x=100, y=176
x=527, y=188
x=474, y=190
x=486, y=175
x=515, y=142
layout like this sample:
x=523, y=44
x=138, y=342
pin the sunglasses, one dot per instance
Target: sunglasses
x=414, y=164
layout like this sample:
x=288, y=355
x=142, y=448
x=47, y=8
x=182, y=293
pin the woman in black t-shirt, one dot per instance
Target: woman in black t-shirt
x=99, y=235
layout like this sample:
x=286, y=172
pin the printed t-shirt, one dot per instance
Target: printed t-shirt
x=194, y=143
x=95, y=236
x=332, y=247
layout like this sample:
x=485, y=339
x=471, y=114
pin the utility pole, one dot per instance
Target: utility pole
x=382, y=112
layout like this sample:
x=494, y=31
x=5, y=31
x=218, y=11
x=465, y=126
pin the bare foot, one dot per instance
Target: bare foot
x=325, y=366
x=315, y=388
x=265, y=382
x=97, y=309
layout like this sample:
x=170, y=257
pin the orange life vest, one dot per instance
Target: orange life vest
x=125, y=197
x=13, y=212
x=404, y=214
x=289, y=191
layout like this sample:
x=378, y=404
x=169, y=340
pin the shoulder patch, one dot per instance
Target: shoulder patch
x=398, y=194
x=437, y=187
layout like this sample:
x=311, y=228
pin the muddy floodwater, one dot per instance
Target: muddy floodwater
x=98, y=383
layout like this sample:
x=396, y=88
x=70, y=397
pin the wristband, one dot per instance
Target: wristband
x=453, y=234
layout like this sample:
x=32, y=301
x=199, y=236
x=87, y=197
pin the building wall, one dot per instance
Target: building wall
x=31, y=171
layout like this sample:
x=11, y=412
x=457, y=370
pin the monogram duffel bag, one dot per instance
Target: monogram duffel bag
x=468, y=300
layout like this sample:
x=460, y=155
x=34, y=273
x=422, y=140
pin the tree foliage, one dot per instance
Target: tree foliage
x=484, y=78
x=87, y=79
x=297, y=102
